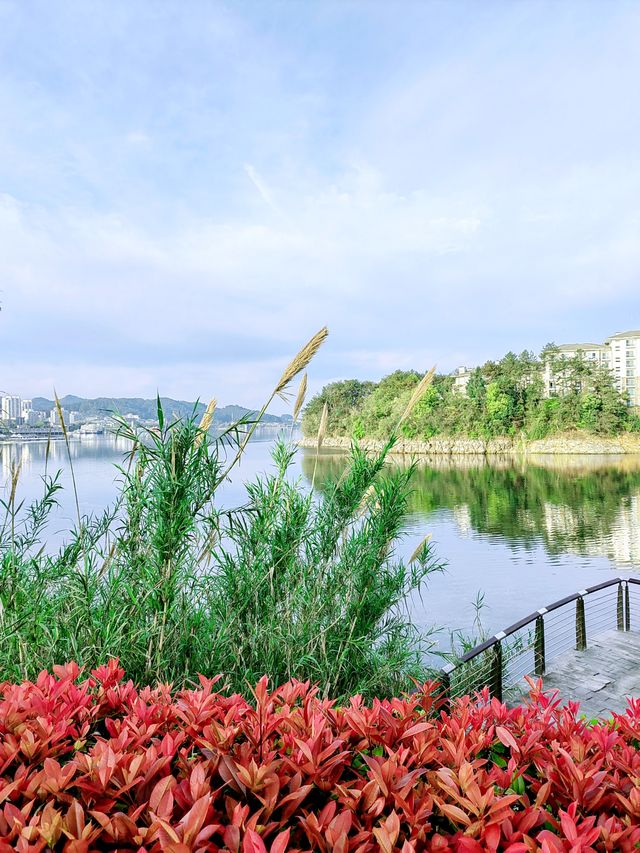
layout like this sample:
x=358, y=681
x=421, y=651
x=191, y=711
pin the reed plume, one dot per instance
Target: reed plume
x=73, y=474
x=302, y=393
x=301, y=360
x=60, y=415
x=322, y=428
x=15, y=476
x=322, y=431
x=366, y=497
x=207, y=420
x=417, y=395
x=420, y=548
x=299, y=363
x=10, y=506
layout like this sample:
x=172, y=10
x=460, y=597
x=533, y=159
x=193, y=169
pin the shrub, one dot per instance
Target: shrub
x=174, y=585
x=97, y=764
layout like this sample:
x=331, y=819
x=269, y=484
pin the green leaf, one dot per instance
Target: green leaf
x=160, y=412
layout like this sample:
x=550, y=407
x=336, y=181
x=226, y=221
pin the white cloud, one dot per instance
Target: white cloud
x=184, y=213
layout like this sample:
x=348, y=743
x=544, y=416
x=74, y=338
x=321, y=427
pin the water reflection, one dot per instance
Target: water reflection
x=95, y=461
x=53, y=455
x=587, y=506
x=524, y=534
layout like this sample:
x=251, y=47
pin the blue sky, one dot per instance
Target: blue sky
x=189, y=190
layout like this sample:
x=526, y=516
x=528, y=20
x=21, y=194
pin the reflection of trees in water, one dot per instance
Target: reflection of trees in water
x=579, y=506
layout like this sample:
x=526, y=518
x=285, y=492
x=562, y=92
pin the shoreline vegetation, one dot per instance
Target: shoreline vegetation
x=176, y=586
x=522, y=404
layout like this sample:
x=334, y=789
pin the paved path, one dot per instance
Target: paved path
x=602, y=676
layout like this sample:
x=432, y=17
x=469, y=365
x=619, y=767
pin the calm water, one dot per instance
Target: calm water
x=523, y=535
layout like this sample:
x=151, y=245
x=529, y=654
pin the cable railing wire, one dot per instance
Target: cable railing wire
x=526, y=647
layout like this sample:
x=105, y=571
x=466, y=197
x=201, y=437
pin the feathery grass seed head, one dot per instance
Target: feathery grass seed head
x=301, y=360
x=302, y=393
x=420, y=548
x=207, y=420
x=322, y=429
x=418, y=393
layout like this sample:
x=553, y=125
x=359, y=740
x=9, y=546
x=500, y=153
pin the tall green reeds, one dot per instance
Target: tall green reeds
x=289, y=584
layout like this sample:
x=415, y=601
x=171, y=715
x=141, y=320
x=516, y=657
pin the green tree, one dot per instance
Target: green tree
x=499, y=409
x=382, y=409
x=344, y=401
x=505, y=397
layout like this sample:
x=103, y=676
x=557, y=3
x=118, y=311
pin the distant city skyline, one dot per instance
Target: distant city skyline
x=185, y=199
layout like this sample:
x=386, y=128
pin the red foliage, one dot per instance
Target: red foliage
x=98, y=764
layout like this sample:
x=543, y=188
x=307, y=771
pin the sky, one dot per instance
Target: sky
x=188, y=191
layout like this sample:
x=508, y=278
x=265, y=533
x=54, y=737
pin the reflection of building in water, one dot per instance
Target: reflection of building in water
x=12, y=455
x=560, y=520
x=589, y=528
x=54, y=454
x=462, y=518
x=619, y=543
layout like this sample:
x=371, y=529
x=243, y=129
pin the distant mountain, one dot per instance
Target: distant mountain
x=147, y=409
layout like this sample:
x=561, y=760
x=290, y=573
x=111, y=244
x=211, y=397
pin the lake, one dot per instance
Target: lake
x=520, y=534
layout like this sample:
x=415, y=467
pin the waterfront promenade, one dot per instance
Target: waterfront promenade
x=586, y=646
x=601, y=677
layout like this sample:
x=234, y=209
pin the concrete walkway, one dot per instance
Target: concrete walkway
x=601, y=677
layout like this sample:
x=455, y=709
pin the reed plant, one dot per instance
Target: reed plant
x=291, y=584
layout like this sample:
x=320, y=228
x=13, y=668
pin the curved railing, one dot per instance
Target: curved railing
x=526, y=647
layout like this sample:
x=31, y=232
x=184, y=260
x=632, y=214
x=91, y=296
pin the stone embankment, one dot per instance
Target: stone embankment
x=569, y=444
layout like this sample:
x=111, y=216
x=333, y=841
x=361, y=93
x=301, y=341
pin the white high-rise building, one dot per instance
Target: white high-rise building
x=624, y=362
x=619, y=353
x=461, y=377
x=10, y=408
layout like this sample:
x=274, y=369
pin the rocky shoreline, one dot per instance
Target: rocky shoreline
x=565, y=445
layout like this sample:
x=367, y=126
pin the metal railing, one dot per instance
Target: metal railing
x=526, y=647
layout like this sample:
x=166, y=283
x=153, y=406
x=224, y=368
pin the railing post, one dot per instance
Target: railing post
x=581, y=623
x=620, y=608
x=496, y=668
x=627, y=607
x=445, y=683
x=538, y=647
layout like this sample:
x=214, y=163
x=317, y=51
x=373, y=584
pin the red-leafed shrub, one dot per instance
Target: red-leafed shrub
x=98, y=764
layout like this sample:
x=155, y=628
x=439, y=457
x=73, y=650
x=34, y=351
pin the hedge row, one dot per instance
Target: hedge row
x=98, y=764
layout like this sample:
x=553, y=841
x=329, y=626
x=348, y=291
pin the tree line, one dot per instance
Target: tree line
x=502, y=398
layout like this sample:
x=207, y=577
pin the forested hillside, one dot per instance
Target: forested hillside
x=502, y=398
x=147, y=409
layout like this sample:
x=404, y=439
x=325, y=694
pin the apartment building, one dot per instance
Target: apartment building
x=54, y=416
x=10, y=408
x=624, y=362
x=619, y=353
x=596, y=353
x=461, y=377
x=15, y=410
